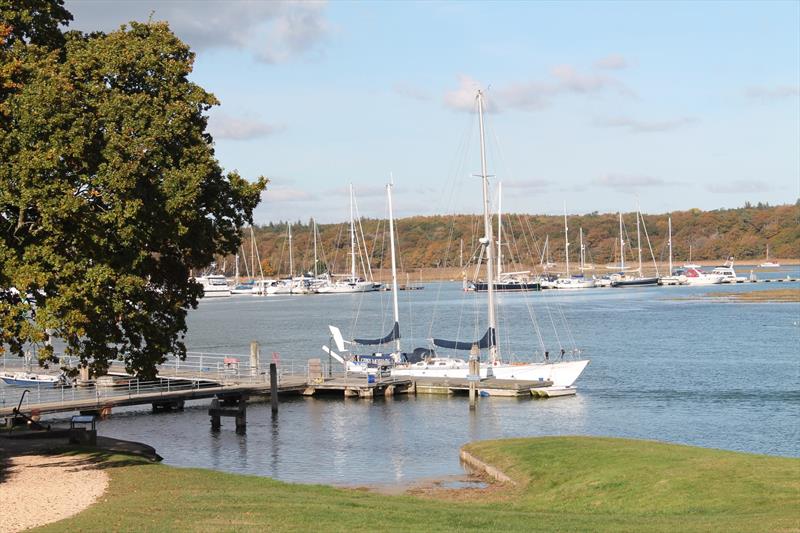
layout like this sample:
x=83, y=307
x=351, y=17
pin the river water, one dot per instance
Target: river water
x=663, y=366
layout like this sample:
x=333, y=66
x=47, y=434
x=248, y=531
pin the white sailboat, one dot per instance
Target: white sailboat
x=624, y=279
x=571, y=282
x=373, y=363
x=690, y=264
x=506, y=281
x=767, y=263
x=348, y=284
x=674, y=278
x=562, y=374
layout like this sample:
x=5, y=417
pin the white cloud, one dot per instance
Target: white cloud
x=738, y=186
x=274, y=31
x=612, y=62
x=643, y=126
x=779, y=92
x=628, y=182
x=463, y=97
x=532, y=95
x=226, y=127
x=282, y=193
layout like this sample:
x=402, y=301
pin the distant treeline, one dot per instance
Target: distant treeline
x=434, y=241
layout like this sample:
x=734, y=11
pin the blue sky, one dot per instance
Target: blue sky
x=599, y=104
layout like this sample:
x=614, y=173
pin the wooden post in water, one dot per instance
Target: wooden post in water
x=214, y=412
x=254, y=356
x=273, y=386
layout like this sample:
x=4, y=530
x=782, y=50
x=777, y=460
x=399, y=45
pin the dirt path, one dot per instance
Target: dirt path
x=38, y=490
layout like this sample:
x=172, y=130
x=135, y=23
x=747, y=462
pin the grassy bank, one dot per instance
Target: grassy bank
x=565, y=484
x=770, y=295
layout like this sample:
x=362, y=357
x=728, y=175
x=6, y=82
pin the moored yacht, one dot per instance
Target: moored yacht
x=728, y=274
x=767, y=263
x=695, y=276
x=214, y=285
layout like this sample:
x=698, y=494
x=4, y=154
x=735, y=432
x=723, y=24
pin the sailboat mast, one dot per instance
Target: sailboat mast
x=499, y=228
x=394, y=264
x=352, y=239
x=236, y=272
x=669, y=242
x=621, y=245
x=639, y=242
x=566, y=238
x=487, y=226
x=291, y=258
x=583, y=252
x=314, y=224
x=253, y=252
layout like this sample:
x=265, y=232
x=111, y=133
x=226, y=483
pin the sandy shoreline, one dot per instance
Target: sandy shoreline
x=38, y=489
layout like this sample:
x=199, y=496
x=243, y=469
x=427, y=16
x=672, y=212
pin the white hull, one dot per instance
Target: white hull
x=562, y=374
x=704, y=280
x=347, y=288
x=214, y=286
x=214, y=292
x=769, y=264
x=574, y=283
x=673, y=280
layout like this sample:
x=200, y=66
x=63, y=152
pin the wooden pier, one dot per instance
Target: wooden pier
x=230, y=383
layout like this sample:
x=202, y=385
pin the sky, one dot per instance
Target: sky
x=598, y=106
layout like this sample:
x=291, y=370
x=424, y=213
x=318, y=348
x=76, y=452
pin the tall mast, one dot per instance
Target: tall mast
x=352, y=239
x=461, y=255
x=291, y=258
x=621, y=245
x=394, y=264
x=236, y=274
x=545, y=253
x=487, y=226
x=499, y=228
x=669, y=242
x=314, y=224
x=583, y=250
x=253, y=252
x=639, y=241
x=566, y=238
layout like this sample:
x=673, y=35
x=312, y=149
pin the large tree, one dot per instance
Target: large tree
x=109, y=189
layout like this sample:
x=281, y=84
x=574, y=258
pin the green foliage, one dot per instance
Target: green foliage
x=109, y=193
x=564, y=484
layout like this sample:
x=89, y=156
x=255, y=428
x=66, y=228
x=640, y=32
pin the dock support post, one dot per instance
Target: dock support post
x=214, y=411
x=241, y=416
x=273, y=386
x=254, y=358
x=474, y=375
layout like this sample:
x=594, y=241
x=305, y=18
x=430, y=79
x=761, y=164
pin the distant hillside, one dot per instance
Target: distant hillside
x=426, y=242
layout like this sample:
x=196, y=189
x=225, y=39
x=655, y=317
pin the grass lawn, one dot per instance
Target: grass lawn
x=563, y=484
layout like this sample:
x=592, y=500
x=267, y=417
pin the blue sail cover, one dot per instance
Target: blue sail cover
x=489, y=339
x=393, y=335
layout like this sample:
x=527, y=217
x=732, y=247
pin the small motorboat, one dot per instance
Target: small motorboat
x=27, y=379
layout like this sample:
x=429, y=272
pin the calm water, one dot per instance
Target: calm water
x=722, y=375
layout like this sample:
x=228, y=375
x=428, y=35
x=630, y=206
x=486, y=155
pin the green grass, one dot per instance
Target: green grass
x=565, y=484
